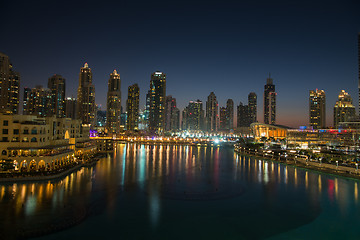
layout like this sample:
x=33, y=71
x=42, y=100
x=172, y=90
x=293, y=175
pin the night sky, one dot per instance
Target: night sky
x=228, y=47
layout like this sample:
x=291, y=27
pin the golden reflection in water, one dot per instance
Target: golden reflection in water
x=286, y=175
x=319, y=183
x=2, y=192
x=336, y=188
x=306, y=179
x=356, y=191
x=279, y=173
x=295, y=177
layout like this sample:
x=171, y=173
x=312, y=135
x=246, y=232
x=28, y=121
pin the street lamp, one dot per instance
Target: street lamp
x=357, y=166
x=337, y=163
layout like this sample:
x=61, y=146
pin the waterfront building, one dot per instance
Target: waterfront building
x=252, y=103
x=38, y=102
x=156, y=96
x=132, y=108
x=193, y=116
x=222, y=118
x=70, y=107
x=56, y=85
x=317, y=109
x=343, y=109
x=86, y=96
x=9, y=86
x=243, y=116
x=229, y=124
x=170, y=106
x=269, y=102
x=29, y=142
x=175, y=119
x=113, y=110
x=184, y=119
x=212, y=116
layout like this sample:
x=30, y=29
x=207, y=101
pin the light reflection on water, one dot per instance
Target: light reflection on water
x=162, y=188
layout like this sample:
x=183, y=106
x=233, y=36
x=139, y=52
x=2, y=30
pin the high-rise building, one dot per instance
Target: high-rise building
x=56, y=84
x=229, y=124
x=9, y=86
x=157, y=95
x=86, y=96
x=252, y=103
x=343, y=109
x=223, y=118
x=243, y=115
x=26, y=100
x=132, y=108
x=70, y=107
x=212, y=116
x=38, y=102
x=269, y=102
x=113, y=107
x=175, y=119
x=170, y=105
x=193, y=116
x=317, y=109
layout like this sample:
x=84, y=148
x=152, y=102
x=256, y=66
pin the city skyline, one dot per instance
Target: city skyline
x=230, y=55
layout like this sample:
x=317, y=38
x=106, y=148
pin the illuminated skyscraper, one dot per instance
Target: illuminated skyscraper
x=269, y=102
x=317, y=109
x=229, y=122
x=38, y=102
x=343, y=109
x=212, y=115
x=86, y=96
x=252, y=103
x=170, y=106
x=157, y=95
x=132, y=108
x=194, y=116
x=56, y=84
x=113, y=107
x=9, y=86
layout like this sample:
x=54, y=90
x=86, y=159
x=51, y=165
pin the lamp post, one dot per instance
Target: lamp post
x=357, y=166
x=337, y=163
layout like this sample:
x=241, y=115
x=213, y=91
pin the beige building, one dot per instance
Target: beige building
x=34, y=143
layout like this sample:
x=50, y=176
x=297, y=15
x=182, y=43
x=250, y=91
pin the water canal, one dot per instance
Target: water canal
x=182, y=192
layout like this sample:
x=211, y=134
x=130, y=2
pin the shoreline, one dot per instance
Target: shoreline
x=324, y=168
x=47, y=177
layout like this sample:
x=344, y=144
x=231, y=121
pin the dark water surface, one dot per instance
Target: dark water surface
x=183, y=192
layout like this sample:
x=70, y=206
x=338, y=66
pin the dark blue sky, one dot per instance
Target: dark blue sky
x=228, y=47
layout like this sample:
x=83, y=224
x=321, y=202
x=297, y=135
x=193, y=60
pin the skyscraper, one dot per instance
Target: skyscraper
x=252, y=103
x=317, y=109
x=222, y=119
x=9, y=86
x=157, y=95
x=343, y=109
x=38, y=102
x=132, y=108
x=359, y=68
x=269, y=102
x=56, y=84
x=70, y=107
x=212, y=116
x=113, y=107
x=229, y=124
x=170, y=108
x=243, y=116
x=194, y=115
x=86, y=96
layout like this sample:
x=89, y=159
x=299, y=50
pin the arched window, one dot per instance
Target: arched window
x=34, y=139
x=34, y=130
x=4, y=152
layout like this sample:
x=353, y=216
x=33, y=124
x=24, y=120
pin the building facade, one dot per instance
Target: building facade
x=56, y=85
x=86, y=96
x=70, y=107
x=317, y=109
x=252, y=103
x=243, y=118
x=269, y=102
x=344, y=110
x=156, y=96
x=9, y=86
x=229, y=115
x=132, y=108
x=38, y=102
x=212, y=113
x=113, y=110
